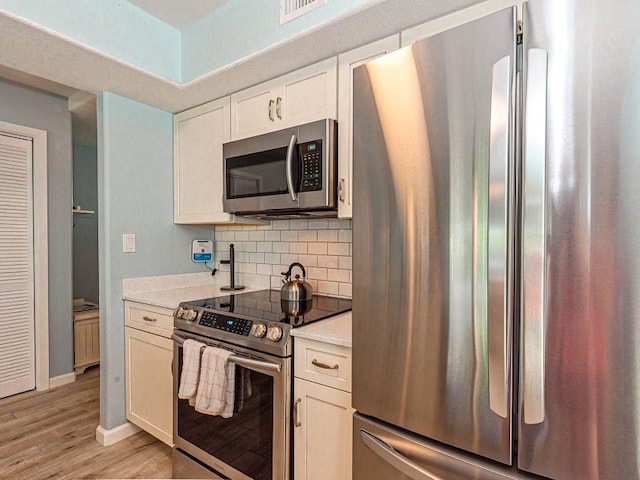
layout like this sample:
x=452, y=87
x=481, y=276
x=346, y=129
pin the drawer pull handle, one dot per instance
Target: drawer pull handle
x=149, y=319
x=296, y=406
x=324, y=365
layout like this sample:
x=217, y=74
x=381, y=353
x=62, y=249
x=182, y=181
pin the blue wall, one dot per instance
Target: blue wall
x=135, y=185
x=237, y=29
x=117, y=28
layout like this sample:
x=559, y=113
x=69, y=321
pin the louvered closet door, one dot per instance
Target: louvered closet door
x=17, y=356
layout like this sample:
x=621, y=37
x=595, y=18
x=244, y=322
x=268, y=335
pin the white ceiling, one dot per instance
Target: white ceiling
x=179, y=14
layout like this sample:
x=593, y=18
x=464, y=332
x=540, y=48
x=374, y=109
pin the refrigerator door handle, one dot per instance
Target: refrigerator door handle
x=533, y=237
x=395, y=459
x=496, y=272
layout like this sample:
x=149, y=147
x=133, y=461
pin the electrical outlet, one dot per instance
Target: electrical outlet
x=129, y=242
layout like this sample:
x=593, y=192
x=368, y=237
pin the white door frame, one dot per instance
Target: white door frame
x=40, y=247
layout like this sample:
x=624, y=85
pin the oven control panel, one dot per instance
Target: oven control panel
x=239, y=326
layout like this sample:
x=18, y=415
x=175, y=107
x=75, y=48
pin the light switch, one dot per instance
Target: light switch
x=129, y=242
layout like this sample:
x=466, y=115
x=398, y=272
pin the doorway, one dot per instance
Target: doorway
x=24, y=339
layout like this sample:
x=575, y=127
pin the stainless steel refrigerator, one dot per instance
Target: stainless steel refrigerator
x=496, y=301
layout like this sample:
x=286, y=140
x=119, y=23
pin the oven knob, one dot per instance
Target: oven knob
x=190, y=314
x=258, y=330
x=179, y=312
x=274, y=334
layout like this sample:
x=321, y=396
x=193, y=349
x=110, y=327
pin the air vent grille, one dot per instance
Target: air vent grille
x=290, y=9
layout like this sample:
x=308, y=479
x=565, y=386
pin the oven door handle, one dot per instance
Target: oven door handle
x=242, y=361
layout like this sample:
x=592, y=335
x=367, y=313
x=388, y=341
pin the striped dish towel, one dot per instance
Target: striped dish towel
x=216, y=389
x=190, y=375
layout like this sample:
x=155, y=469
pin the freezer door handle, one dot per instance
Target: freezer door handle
x=491, y=278
x=395, y=459
x=534, y=237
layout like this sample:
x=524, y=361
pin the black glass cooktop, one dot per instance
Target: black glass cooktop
x=266, y=305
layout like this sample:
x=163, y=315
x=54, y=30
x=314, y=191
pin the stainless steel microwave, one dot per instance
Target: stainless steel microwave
x=290, y=173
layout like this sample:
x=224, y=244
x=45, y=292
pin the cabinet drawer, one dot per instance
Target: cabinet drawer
x=323, y=363
x=149, y=318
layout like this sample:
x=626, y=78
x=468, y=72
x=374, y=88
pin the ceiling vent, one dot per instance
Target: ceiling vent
x=290, y=9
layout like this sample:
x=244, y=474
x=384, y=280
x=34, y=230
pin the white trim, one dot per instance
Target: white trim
x=62, y=380
x=40, y=248
x=109, y=437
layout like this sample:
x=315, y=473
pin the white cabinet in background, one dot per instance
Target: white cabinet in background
x=347, y=62
x=198, y=173
x=299, y=97
x=322, y=413
x=148, y=369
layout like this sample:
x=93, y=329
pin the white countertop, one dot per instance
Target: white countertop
x=335, y=330
x=171, y=298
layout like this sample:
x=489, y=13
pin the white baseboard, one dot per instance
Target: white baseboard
x=109, y=437
x=62, y=380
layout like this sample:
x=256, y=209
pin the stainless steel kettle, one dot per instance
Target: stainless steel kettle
x=295, y=289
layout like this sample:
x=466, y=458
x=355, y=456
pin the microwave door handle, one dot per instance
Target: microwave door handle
x=290, y=150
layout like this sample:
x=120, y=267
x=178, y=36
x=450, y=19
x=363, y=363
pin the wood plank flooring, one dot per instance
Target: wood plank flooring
x=51, y=435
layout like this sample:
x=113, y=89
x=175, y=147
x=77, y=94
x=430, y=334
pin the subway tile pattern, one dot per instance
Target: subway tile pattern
x=323, y=246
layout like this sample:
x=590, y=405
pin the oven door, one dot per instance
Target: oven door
x=254, y=443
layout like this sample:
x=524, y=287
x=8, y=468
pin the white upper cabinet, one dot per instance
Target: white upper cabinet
x=300, y=97
x=347, y=62
x=198, y=172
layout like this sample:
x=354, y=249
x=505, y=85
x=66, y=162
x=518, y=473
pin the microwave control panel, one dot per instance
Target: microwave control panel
x=311, y=156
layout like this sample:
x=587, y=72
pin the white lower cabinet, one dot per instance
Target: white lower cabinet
x=323, y=416
x=148, y=370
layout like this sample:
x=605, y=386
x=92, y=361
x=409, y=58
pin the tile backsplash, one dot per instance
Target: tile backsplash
x=323, y=246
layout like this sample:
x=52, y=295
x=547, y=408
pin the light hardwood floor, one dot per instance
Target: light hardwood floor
x=51, y=435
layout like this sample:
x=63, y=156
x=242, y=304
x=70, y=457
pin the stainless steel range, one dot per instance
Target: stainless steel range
x=254, y=443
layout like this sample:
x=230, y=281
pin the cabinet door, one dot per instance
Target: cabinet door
x=198, y=174
x=253, y=111
x=346, y=63
x=149, y=383
x=322, y=432
x=309, y=94
x=302, y=96
x=86, y=343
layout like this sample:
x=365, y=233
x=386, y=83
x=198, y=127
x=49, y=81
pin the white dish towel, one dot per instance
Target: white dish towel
x=190, y=376
x=216, y=389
